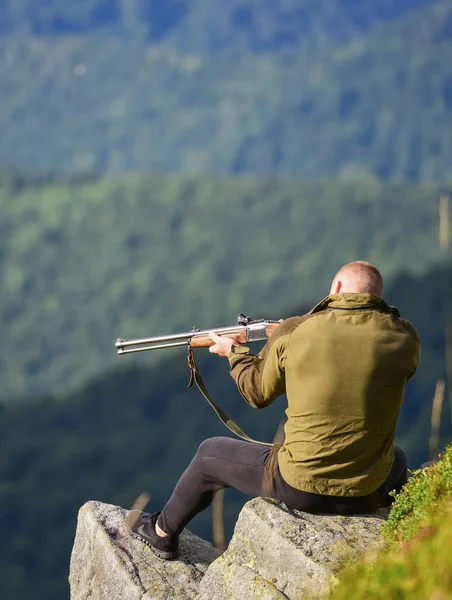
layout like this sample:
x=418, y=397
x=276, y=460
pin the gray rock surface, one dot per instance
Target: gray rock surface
x=276, y=553
x=108, y=564
x=287, y=553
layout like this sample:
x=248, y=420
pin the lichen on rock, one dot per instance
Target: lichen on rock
x=276, y=553
x=297, y=553
x=108, y=564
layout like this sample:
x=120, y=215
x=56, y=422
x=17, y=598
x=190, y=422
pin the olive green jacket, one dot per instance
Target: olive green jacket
x=344, y=367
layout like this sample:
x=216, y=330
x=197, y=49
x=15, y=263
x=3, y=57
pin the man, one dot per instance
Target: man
x=344, y=367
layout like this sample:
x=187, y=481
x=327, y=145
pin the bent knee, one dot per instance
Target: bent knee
x=206, y=448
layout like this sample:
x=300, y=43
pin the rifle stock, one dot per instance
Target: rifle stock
x=204, y=341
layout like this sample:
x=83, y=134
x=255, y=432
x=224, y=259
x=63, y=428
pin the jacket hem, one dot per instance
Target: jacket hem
x=333, y=487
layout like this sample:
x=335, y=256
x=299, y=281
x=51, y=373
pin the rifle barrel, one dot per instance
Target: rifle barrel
x=154, y=343
x=155, y=347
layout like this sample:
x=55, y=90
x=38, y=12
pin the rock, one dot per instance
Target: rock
x=108, y=564
x=277, y=552
x=231, y=581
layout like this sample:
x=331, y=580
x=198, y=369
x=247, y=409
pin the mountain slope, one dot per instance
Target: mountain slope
x=379, y=103
x=204, y=25
x=83, y=262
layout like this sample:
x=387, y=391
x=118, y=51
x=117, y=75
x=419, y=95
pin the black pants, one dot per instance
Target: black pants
x=223, y=462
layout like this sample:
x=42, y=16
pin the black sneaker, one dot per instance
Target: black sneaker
x=142, y=526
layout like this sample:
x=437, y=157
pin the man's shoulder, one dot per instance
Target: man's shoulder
x=408, y=326
x=290, y=324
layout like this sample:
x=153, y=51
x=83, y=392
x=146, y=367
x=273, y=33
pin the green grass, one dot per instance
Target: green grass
x=417, y=563
x=419, y=503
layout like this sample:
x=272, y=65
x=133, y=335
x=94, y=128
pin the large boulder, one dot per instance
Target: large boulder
x=108, y=564
x=277, y=552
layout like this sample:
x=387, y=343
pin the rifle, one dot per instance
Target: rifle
x=247, y=330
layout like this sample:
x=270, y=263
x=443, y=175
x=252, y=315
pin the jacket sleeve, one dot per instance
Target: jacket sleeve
x=261, y=379
x=417, y=345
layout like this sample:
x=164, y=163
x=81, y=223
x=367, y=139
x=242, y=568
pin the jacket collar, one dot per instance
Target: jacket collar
x=354, y=302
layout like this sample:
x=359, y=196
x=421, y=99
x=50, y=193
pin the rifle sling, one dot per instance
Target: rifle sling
x=195, y=376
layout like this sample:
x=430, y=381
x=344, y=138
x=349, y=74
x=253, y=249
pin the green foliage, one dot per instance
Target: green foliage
x=418, y=572
x=258, y=26
x=274, y=87
x=83, y=262
x=421, y=500
x=421, y=516
x=351, y=108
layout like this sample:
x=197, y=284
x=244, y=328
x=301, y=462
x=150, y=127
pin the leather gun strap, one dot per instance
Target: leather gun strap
x=195, y=376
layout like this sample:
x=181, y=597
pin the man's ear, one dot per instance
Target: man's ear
x=336, y=286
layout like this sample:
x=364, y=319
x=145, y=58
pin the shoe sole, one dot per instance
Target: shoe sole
x=156, y=551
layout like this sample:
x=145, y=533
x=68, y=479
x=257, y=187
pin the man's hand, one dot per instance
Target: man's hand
x=222, y=345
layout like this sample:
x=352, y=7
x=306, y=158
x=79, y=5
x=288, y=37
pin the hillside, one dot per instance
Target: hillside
x=85, y=261
x=136, y=430
x=379, y=100
x=204, y=25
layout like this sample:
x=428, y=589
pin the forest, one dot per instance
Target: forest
x=84, y=261
x=166, y=164
x=258, y=25
x=250, y=97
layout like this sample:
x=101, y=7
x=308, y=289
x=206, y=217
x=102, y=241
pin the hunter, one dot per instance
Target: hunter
x=343, y=367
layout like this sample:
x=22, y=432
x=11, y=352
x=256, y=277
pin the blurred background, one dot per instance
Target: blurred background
x=170, y=163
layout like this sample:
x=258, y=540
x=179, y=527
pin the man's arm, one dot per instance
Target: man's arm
x=260, y=379
x=417, y=344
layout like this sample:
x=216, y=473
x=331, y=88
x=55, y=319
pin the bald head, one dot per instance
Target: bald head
x=358, y=277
